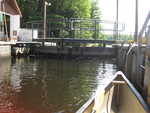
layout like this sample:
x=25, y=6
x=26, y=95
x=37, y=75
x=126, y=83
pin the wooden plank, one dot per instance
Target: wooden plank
x=118, y=82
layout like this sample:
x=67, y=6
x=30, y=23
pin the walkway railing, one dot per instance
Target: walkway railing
x=74, y=28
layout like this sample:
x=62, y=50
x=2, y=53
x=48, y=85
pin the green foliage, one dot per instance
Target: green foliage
x=33, y=10
x=126, y=37
x=27, y=8
x=95, y=11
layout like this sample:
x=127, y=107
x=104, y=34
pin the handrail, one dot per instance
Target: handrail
x=144, y=26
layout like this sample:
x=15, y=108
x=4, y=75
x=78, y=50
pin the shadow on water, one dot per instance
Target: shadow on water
x=43, y=85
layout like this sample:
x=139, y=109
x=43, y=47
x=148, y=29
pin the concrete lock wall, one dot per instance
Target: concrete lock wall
x=5, y=50
x=76, y=51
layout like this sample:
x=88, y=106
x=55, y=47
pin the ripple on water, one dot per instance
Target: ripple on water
x=50, y=85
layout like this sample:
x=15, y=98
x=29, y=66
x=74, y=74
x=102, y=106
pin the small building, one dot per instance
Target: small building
x=9, y=20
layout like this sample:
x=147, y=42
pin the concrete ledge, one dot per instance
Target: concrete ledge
x=7, y=43
x=76, y=51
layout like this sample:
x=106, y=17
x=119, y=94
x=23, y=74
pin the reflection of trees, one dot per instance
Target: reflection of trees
x=30, y=91
x=7, y=97
x=44, y=87
x=7, y=92
x=52, y=85
x=4, y=66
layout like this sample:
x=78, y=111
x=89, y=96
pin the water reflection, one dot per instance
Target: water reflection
x=50, y=85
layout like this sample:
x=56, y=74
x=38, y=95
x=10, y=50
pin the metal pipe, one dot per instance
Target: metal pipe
x=44, y=36
x=144, y=26
x=117, y=18
x=138, y=42
x=136, y=23
x=45, y=10
x=115, y=31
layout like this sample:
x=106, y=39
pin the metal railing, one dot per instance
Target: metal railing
x=74, y=28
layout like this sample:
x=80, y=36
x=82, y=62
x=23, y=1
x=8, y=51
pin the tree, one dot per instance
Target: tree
x=95, y=10
x=65, y=8
x=33, y=10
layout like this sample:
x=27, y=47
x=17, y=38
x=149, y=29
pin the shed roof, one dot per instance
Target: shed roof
x=11, y=7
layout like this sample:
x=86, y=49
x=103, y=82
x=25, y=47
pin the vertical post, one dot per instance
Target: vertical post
x=148, y=36
x=138, y=76
x=44, y=36
x=80, y=29
x=95, y=37
x=32, y=32
x=115, y=32
x=147, y=69
x=136, y=23
x=117, y=19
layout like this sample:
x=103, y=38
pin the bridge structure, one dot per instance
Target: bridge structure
x=77, y=28
x=63, y=41
x=86, y=37
x=81, y=33
x=76, y=47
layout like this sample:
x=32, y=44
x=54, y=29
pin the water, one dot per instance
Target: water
x=30, y=85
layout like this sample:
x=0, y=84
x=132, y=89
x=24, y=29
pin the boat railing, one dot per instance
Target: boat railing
x=122, y=80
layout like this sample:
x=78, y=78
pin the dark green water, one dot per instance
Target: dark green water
x=45, y=85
